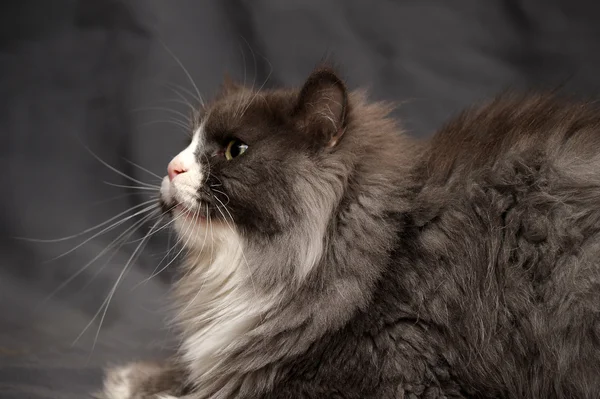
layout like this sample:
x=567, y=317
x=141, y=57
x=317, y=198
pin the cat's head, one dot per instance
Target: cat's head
x=261, y=165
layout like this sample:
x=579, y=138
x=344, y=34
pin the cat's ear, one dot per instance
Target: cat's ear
x=322, y=106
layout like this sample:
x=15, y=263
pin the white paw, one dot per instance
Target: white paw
x=139, y=380
x=119, y=383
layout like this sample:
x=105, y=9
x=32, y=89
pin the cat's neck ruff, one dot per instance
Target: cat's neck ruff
x=216, y=298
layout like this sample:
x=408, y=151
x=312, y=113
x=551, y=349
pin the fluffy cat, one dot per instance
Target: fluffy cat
x=332, y=256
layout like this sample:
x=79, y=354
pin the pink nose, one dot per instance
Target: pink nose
x=175, y=168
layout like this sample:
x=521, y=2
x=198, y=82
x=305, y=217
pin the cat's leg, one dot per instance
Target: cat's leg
x=143, y=380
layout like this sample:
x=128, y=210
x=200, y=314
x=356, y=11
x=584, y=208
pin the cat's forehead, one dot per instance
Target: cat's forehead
x=248, y=113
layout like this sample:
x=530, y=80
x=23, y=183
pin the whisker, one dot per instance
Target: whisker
x=240, y=103
x=183, y=100
x=182, y=311
x=183, y=247
x=180, y=101
x=129, y=231
x=155, y=272
x=253, y=60
x=53, y=240
x=119, y=278
x=131, y=187
x=227, y=210
x=122, y=243
x=173, y=121
x=243, y=61
x=184, y=116
x=175, y=89
x=221, y=192
x=256, y=93
x=216, y=178
x=103, y=201
x=169, y=222
x=142, y=168
x=115, y=169
x=112, y=226
x=156, y=232
x=199, y=98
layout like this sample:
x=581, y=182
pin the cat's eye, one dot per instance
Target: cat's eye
x=234, y=149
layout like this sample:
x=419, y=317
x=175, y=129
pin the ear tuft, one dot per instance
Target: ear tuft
x=229, y=85
x=323, y=106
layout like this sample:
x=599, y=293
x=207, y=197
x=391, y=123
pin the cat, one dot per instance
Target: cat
x=330, y=255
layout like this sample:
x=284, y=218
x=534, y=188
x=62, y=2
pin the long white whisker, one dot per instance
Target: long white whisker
x=122, y=242
x=253, y=60
x=132, y=229
x=112, y=226
x=155, y=272
x=183, y=100
x=182, y=311
x=244, y=62
x=142, y=168
x=184, y=246
x=180, y=101
x=115, y=169
x=257, y=92
x=175, y=88
x=181, y=250
x=221, y=192
x=119, y=278
x=185, y=71
x=172, y=121
x=240, y=103
x=90, y=229
x=159, y=229
x=103, y=201
x=131, y=187
x=165, y=109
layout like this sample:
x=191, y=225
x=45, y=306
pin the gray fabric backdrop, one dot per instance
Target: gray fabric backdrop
x=76, y=73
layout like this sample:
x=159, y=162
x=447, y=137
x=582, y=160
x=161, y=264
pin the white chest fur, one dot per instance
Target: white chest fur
x=217, y=303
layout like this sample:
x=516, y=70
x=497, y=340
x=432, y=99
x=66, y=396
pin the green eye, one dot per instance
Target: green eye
x=234, y=149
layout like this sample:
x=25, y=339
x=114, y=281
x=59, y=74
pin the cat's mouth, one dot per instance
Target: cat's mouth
x=186, y=203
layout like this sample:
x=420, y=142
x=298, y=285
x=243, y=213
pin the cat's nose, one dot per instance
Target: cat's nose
x=176, y=167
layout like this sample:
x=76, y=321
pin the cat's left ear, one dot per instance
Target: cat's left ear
x=322, y=107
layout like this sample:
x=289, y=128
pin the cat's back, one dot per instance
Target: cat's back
x=516, y=125
x=509, y=254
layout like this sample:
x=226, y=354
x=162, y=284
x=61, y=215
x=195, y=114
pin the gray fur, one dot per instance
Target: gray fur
x=464, y=266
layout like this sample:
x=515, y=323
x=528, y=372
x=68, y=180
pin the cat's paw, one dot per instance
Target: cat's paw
x=118, y=383
x=134, y=381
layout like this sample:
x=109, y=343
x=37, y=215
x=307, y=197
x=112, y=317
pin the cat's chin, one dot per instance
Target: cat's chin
x=189, y=215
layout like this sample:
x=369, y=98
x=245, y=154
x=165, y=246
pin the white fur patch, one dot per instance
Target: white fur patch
x=218, y=303
x=127, y=382
x=184, y=186
x=118, y=383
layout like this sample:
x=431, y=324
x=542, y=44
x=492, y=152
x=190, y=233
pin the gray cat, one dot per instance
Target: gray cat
x=331, y=256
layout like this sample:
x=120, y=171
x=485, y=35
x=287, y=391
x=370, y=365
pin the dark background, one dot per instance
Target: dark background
x=76, y=73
